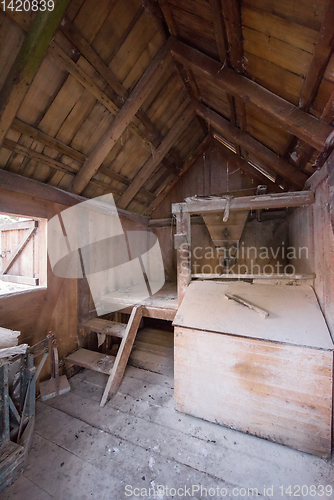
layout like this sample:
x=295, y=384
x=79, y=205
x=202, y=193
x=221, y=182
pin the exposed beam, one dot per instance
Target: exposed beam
x=14, y=183
x=57, y=165
x=218, y=23
x=135, y=100
x=46, y=140
x=149, y=167
x=27, y=63
x=322, y=53
x=232, y=18
x=171, y=182
x=120, y=94
x=243, y=164
x=51, y=142
x=257, y=202
x=268, y=157
x=170, y=21
x=295, y=121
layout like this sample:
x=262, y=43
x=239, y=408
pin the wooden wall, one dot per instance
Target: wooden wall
x=211, y=174
x=54, y=308
x=311, y=227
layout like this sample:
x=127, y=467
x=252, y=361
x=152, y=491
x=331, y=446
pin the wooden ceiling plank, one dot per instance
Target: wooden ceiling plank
x=171, y=182
x=294, y=120
x=152, y=133
x=27, y=63
x=218, y=23
x=232, y=18
x=239, y=203
x=123, y=118
x=51, y=142
x=237, y=136
x=149, y=167
x=243, y=164
x=170, y=21
x=67, y=169
x=46, y=140
x=322, y=53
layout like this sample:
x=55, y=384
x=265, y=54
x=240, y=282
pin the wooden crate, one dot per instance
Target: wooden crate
x=253, y=381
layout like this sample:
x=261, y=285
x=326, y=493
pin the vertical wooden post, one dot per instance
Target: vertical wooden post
x=4, y=404
x=183, y=253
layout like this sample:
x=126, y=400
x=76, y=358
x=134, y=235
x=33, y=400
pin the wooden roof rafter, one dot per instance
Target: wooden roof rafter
x=149, y=167
x=123, y=118
x=290, y=117
x=27, y=63
x=238, y=137
x=323, y=50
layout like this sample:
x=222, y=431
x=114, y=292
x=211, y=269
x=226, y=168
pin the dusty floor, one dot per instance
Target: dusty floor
x=82, y=451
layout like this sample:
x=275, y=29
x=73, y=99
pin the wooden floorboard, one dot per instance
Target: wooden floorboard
x=83, y=451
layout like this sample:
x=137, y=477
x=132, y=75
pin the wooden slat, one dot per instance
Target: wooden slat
x=62, y=148
x=117, y=372
x=92, y=360
x=17, y=225
x=151, y=133
x=27, y=63
x=99, y=325
x=170, y=21
x=122, y=120
x=232, y=18
x=293, y=120
x=171, y=182
x=322, y=53
x=236, y=136
x=23, y=280
x=154, y=161
x=62, y=167
x=51, y=142
x=218, y=23
x=276, y=200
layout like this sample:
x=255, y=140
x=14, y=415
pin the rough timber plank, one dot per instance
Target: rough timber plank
x=92, y=360
x=98, y=325
x=294, y=120
x=120, y=123
x=246, y=399
x=27, y=63
x=148, y=169
x=123, y=353
x=236, y=136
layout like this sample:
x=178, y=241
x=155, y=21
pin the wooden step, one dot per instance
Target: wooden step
x=92, y=360
x=98, y=325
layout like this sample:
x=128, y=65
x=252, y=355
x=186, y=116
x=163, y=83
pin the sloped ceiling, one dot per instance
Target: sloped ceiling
x=129, y=93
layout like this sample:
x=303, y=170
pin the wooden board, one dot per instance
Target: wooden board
x=274, y=391
x=294, y=314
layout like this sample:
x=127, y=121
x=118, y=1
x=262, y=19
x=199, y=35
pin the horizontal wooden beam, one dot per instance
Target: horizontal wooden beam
x=123, y=118
x=22, y=280
x=47, y=140
x=287, y=116
x=27, y=63
x=62, y=167
x=238, y=137
x=51, y=142
x=263, y=276
x=257, y=202
x=15, y=183
x=149, y=167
